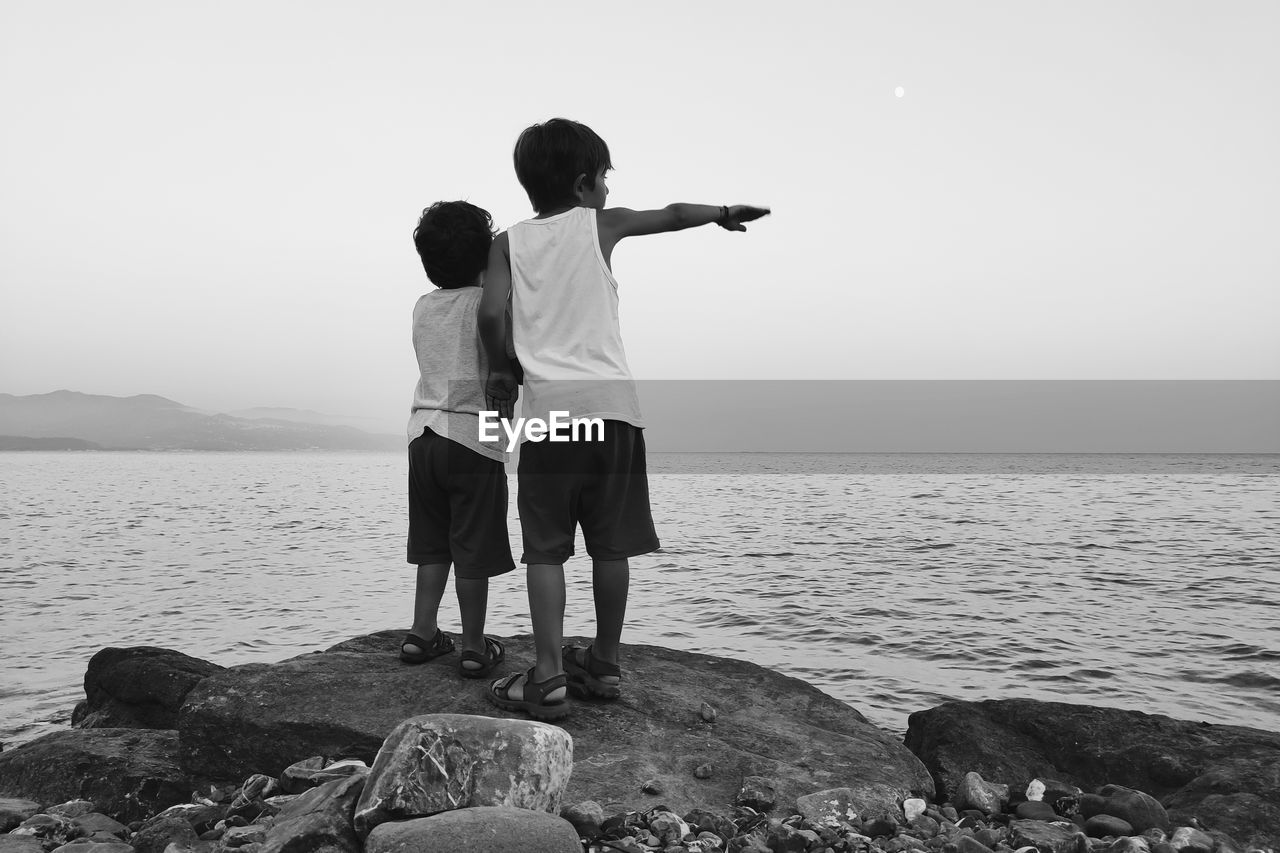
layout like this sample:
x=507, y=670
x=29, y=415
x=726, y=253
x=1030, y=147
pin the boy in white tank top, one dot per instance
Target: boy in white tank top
x=555, y=270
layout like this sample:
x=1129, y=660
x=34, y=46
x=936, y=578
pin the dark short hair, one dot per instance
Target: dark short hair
x=453, y=239
x=550, y=156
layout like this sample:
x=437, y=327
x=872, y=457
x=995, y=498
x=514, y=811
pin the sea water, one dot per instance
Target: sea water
x=893, y=582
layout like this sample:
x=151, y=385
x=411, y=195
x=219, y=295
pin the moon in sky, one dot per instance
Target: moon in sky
x=899, y=91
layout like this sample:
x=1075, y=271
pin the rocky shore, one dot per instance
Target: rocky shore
x=350, y=751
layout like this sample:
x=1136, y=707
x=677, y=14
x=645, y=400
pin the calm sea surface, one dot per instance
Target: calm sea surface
x=893, y=582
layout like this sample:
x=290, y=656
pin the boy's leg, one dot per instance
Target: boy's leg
x=473, y=601
x=610, y=584
x=432, y=578
x=546, y=611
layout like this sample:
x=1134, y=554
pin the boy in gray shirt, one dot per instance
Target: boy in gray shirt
x=457, y=484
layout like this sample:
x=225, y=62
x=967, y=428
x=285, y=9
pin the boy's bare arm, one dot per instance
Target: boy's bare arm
x=491, y=321
x=618, y=223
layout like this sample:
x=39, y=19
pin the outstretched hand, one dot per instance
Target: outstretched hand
x=740, y=213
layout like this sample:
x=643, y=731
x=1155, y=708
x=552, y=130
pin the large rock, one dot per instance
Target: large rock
x=343, y=702
x=438, y=762
x=319, y=820
x=141, y=687
x=1225, y=777
x=14, y=810
x=486, y=829
x=129, y=774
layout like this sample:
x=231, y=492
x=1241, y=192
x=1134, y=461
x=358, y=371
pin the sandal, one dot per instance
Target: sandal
x=535, y=702
x=584, y=670
x=494, y=654
x=440, y=644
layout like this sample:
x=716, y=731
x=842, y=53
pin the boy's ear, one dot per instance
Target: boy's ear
x=580, y=186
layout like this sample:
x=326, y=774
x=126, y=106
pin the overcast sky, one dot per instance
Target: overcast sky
x=213, y=202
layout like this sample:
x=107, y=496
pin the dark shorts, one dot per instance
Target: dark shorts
x=457, y=508
x=602, y=485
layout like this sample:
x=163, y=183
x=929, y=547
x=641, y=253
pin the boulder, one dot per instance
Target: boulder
x=1225, y=777
x=319, y=820
x=14, y=810
x=437, y=762
x=343, y=702
x=485, y=829
x=140, y=687
x=129, y=773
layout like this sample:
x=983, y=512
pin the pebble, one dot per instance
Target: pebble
x=708, y=713
x=913, y=808
x=703, y=771
x=1035, y=810
x=1035, y=791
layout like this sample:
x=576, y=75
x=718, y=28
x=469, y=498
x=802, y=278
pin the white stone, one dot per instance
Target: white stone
x=1035, y=791
x=913, y=808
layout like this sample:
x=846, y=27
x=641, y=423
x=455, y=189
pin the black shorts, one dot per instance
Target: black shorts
x=602, y=485
x=457, y=508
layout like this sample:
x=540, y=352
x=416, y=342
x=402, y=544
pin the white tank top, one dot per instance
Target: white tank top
x=564, y=304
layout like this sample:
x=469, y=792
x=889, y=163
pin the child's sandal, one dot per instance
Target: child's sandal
x=535, y=702
x=440, y=644
x=494, y=655
x=584, y=670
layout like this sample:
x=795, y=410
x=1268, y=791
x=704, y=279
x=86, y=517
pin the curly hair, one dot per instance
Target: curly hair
x=550, y=156
x=453, y=239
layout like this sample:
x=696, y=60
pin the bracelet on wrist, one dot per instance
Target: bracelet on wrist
x=724, y=215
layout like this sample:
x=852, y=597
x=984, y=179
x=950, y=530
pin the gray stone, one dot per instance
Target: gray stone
x=239, y=836
x=486, y=829
x=974, y=792
x=1129, y=844
x=343, y=702
x=968, y=844
x=837, y=806
x=585, y=816
x=756, y=792
x=1103, y=825
x=128, y=773
x=52, y=830
x=138, y=687
x=310, y=773
x=14, y=810
x=80, y=846
x=319, y=820
x=1035, y=810
x=72, y=808
x=20, y=844
x=1047, y=837
x=436, y=762
x=161, y=831
x=1141, y=810
x=1188, y=839
x=96, y=823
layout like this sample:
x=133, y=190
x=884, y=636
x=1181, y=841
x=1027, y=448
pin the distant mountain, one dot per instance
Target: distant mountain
x=307, y=416
x=148, y=422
